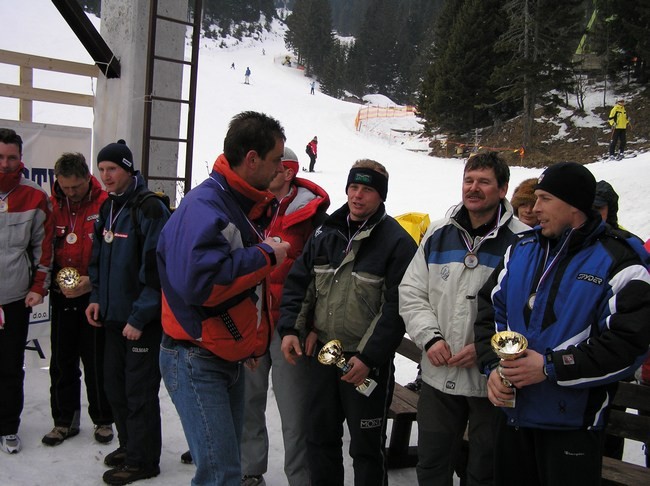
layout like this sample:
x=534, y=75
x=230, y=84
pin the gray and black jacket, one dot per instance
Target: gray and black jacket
x=349, y=284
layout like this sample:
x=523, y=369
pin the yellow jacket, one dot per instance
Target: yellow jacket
x=618, y=117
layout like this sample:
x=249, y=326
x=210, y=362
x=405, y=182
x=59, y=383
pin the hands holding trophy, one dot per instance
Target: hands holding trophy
x=332, y=353
x=508, y=345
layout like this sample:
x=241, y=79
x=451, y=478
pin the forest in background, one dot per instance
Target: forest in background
x=465, y=64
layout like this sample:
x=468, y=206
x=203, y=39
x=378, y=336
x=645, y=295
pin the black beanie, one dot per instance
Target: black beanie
x=118, y=153
x=368, y=177
x=571, y=182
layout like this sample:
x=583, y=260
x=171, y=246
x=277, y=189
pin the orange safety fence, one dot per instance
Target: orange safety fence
x=373, y=111
x=463, y=148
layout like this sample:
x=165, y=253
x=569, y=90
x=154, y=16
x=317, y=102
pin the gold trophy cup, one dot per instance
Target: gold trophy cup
x=509, y=345
x=332, y=353
x=68, y=278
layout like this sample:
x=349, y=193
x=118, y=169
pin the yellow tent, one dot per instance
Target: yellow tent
x=415, y=224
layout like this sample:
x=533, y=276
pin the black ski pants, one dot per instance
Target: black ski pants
x=132, y=382
x=13, y=338
x=332, y=402
x=73, y=340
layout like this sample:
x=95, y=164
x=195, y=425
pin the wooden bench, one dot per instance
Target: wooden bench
x=403, y=408
x=626, y=423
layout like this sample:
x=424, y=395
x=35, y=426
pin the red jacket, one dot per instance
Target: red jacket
x=298, y=214
x=81, y=216
x=313, y=146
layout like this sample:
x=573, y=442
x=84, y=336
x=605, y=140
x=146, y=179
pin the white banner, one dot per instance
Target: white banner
x=43, y=144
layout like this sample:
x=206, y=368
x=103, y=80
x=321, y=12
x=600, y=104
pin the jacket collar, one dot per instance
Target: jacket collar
x=254, y=202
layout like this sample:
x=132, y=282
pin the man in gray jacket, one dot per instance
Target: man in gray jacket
x=437, y=299
x=344, y=287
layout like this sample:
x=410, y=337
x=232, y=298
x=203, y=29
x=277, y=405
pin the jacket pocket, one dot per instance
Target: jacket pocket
x=323, y=275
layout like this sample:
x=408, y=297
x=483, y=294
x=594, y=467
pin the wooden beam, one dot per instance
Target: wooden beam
x=25, y=106
x=48, y=64
x=48, y=95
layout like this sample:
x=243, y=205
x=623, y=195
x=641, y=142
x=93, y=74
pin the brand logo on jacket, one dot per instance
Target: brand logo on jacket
x=568, y=359
x=590, y=278
x=370, y=423
x=444, y=272
x=135, y=349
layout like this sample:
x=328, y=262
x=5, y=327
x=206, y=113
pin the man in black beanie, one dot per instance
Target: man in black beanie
x=126, y=300
x=581, y=296
x=347, y=279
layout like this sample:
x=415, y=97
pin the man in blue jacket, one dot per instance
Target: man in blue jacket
x=125, y=299
x=214, y=257
x=580, y=295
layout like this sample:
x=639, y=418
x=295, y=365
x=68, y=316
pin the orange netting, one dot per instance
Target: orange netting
x=373, y=111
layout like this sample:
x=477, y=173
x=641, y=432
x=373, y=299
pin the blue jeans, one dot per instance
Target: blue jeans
x=208, y=393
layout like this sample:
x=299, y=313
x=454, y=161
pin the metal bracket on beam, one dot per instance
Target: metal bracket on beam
x=89, y=37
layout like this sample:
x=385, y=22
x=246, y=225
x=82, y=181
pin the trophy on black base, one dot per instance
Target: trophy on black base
x=509, y=345
x=332, y=353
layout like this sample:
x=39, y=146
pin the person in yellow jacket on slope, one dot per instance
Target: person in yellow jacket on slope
x=619, y=122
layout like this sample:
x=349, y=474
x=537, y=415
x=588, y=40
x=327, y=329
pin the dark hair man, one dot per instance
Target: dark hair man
x=77, y=197
x=438, y=304
x=347, y=279
x=580, y=295
x=214, y=260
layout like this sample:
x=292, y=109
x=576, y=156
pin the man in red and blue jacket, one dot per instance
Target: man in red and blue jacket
x=214, y=260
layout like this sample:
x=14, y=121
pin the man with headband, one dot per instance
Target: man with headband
x=579, y=292
x=345, y=285
x=438, y=303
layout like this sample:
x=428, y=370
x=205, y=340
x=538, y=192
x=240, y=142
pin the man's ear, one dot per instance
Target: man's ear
x=250, y=159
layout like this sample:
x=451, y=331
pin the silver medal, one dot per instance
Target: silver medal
x=471, y=260
x=531, y=300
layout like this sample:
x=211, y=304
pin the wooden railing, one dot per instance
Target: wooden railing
x=26, y=92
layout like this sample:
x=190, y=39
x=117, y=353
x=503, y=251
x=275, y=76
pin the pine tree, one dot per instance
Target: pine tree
x=455, y=93
x=539, y=43
x=309, y=33
x=333, y=78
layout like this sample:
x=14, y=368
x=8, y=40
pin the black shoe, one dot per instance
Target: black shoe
x=257, y=480
x=414, y=385
x=116, y=458
x=103, y=433
x=58, y=434
x=127, y=474
x=186, y=457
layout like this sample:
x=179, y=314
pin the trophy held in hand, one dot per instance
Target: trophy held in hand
x=68, y=278
x=508, y=345
x=332, y=353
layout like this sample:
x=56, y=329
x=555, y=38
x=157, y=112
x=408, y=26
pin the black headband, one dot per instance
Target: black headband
x=368, y=177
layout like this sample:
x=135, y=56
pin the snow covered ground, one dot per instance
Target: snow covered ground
x=417, y=183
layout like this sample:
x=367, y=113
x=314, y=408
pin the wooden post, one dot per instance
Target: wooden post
x=26, y=82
